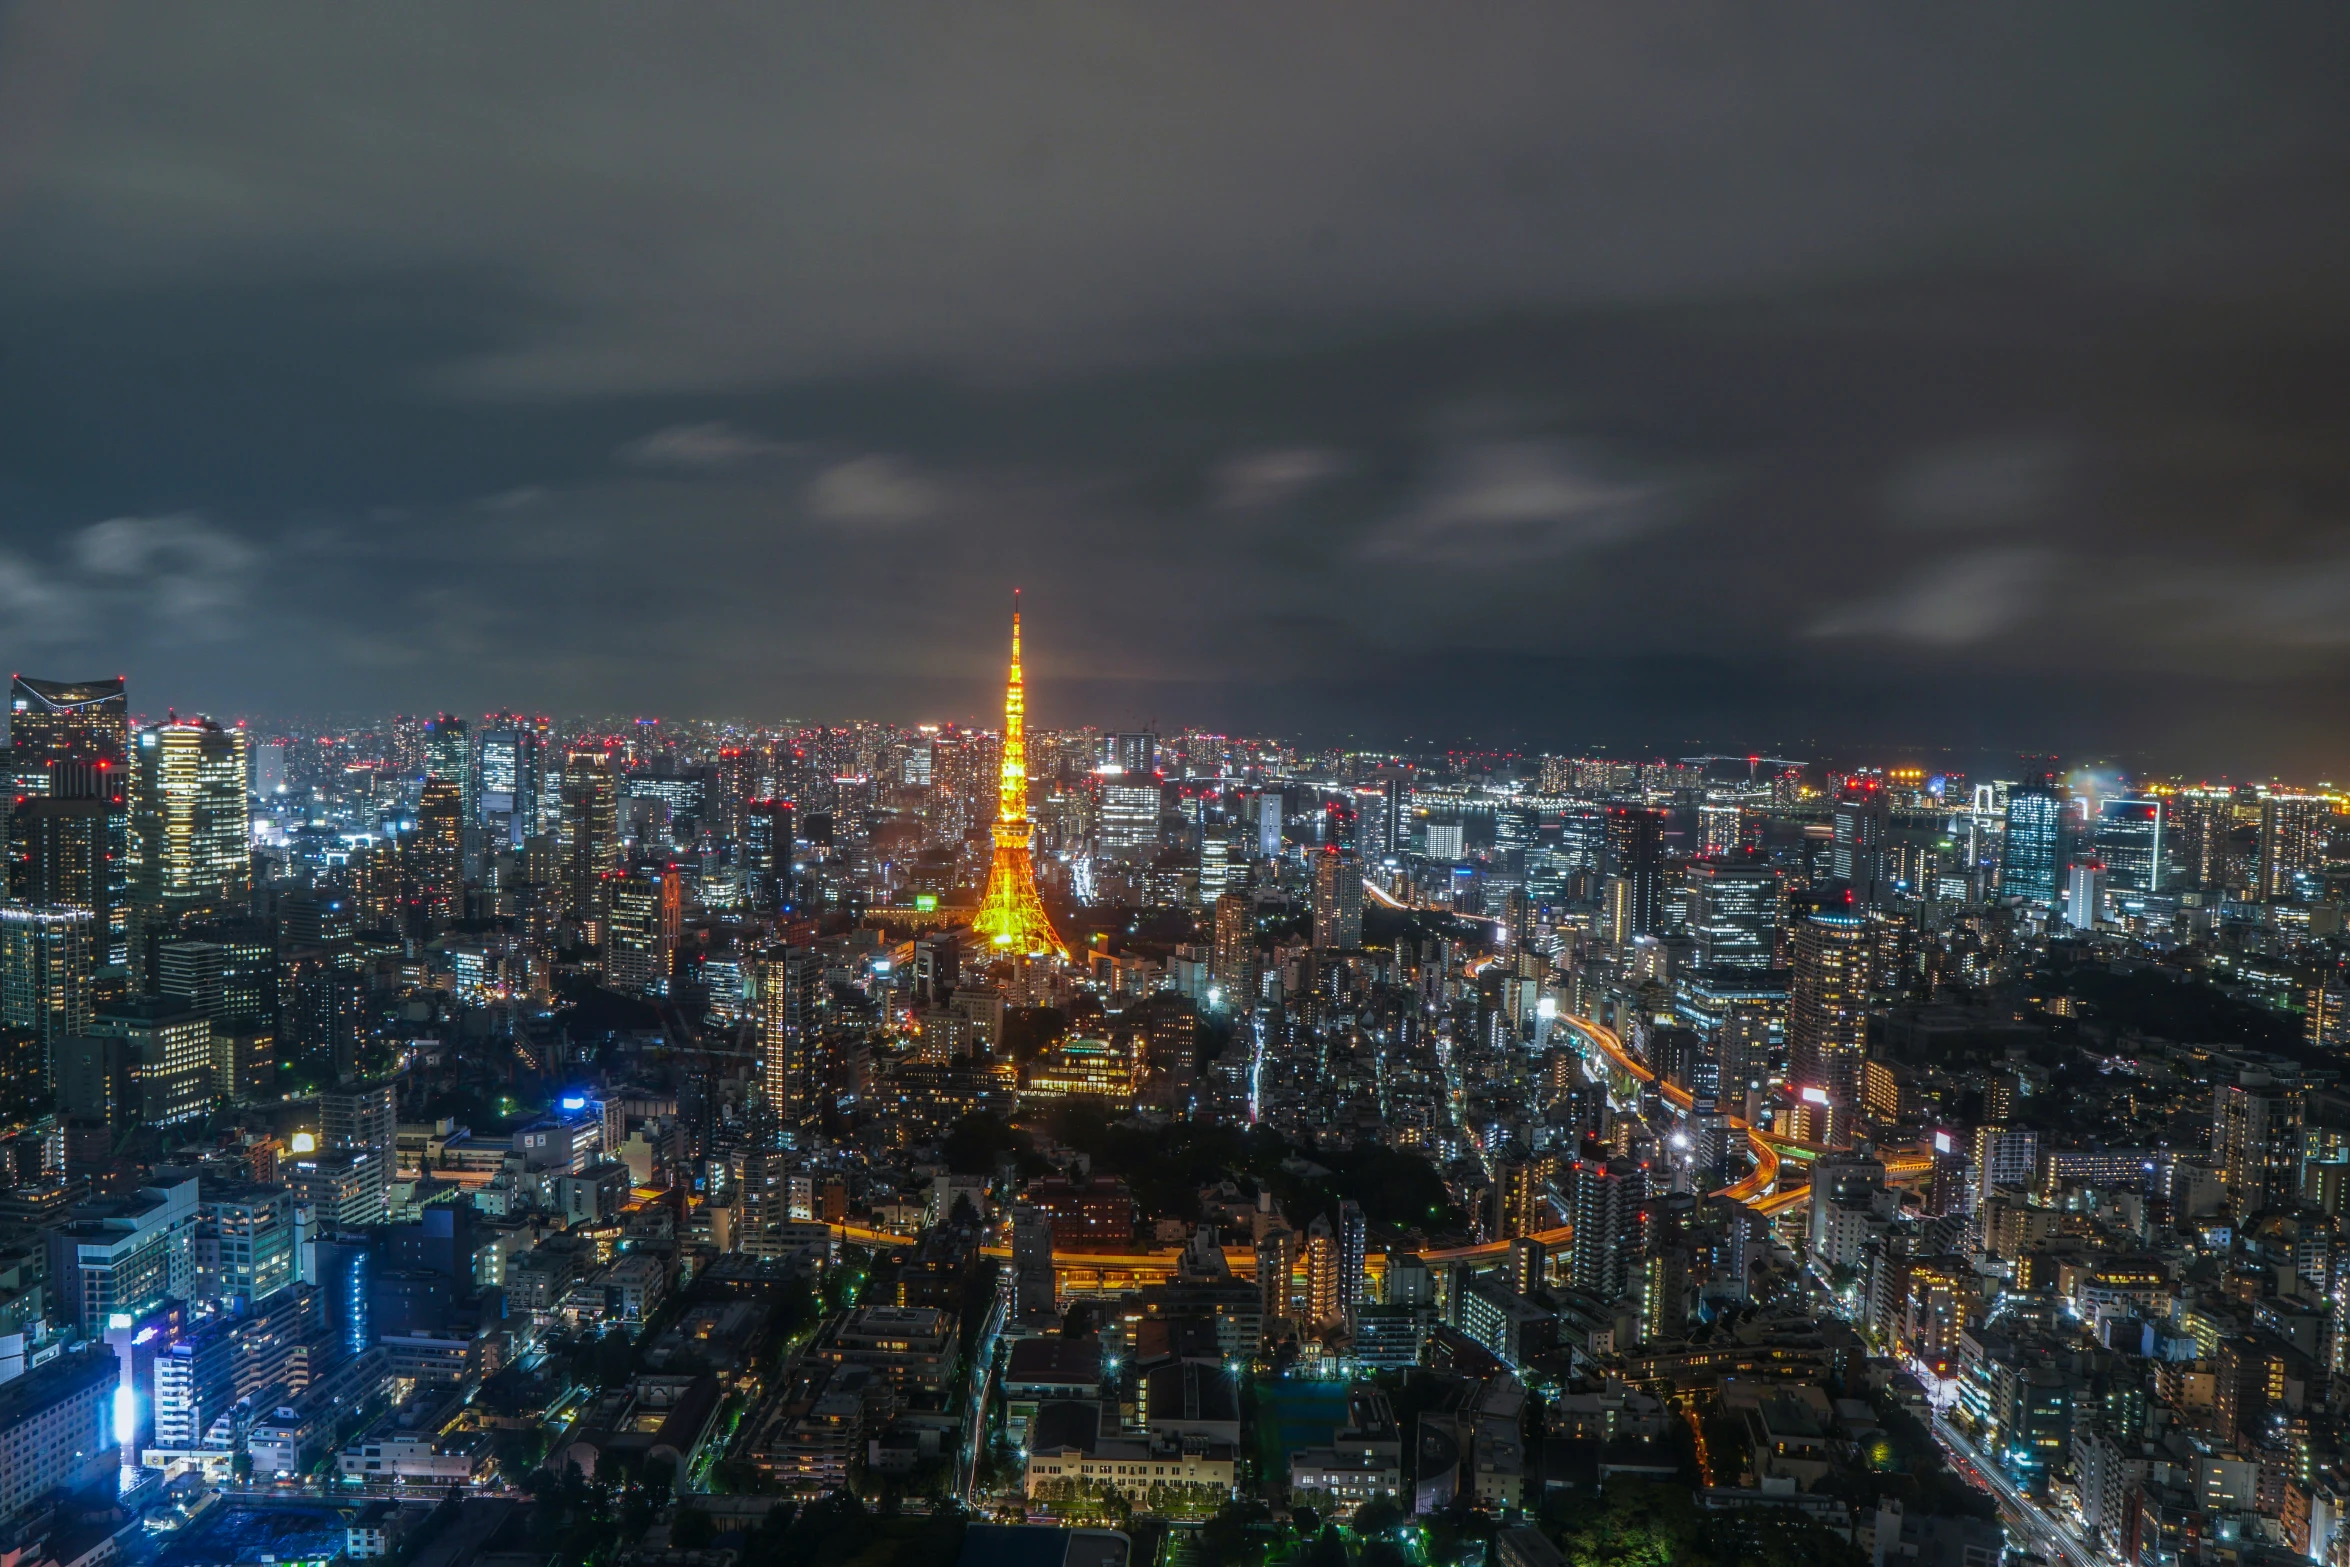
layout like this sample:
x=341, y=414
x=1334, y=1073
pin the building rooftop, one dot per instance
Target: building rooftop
x=1068, y=1362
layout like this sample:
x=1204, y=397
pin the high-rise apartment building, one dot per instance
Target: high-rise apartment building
x=1383, y=818
x=2293, y=835
x=1607, y=1198
x=2256, y=1140
x=1338, y=900
x=2199, y=825
x=791, y=1069
x=1354, y=1238
x=1232, y=964
x=1827, y=1012
x=436, y=856
x=1324, y=1296
x=195, y=1382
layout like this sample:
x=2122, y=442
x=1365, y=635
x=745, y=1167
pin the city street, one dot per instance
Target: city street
x=2026, y=1519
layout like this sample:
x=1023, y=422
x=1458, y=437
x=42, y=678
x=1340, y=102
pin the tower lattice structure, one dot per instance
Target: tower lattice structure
x=1011, y=916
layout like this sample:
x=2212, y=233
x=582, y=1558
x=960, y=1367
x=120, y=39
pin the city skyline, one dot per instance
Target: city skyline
x=1655, y=868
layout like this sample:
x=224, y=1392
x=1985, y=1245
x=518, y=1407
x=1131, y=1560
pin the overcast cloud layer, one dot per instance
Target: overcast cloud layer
x=1556, y=374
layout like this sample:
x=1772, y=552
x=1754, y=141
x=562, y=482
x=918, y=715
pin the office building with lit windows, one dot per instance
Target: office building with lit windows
x=189, y=839
x=1733, y=912
x=167, y=1052
x=53, y=723
x=508, y=791
x=2128, y=838
x=1129, y=817
x=72, y=850
x=125, y=1255
x=2033, y=850
x=46, y=959
x=57, y=1428
x=1636, y=859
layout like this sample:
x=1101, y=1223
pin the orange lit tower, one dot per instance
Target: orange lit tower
x=1011, y=916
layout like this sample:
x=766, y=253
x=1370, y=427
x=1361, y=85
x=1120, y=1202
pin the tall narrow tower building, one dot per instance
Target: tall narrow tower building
x=1011, y=916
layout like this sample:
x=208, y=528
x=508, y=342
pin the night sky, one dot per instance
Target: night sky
x=1556, y=375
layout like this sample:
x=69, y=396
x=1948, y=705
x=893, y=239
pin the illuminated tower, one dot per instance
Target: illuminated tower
x=1011, y=916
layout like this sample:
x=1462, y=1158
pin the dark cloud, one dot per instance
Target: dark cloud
x=1566, y=372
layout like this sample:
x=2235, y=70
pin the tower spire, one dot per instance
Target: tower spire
x=1011, y=916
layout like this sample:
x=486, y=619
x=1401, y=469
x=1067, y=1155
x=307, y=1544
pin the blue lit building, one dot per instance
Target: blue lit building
x=2034, y=849
x=346, y=1268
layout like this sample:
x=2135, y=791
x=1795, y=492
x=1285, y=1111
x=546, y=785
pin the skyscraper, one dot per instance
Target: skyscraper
x=2198, y=825
x=436, y=856
x=55, y=722
x=2292, y=842
x=189, y=828
x=1131, y=753
x=1338, y=900
x=1734, y=912
x=646, y=921
x=764, y=852
x=1383, y=810
x=2129, y=841
x=509, y=789
x=1233, y=960
x=1861, y=821
x=446, y=755
x=1011, y=916
x=1268, y=816
x=74, y=852
x=2084, y=897
x=591, y=830
x=2033, y=848
x=791, y=984
x=1636, y=855
x=1606, y=1197
x=1827, y=1013
x=46, y=955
